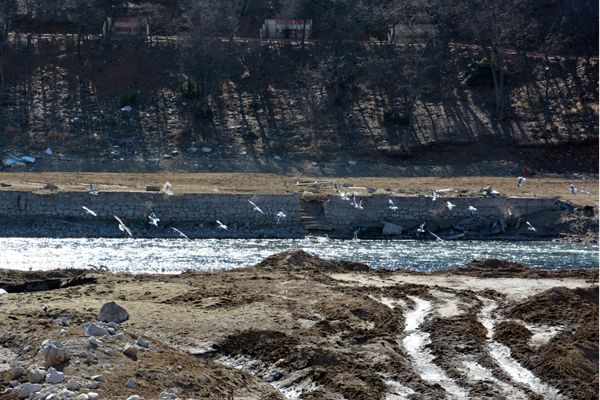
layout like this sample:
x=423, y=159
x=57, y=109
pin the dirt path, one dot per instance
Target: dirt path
x=299, y=327
x=267, y=183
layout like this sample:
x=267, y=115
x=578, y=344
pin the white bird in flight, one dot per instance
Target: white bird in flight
x=180, y=233
x=256, y=208
x=520, y=181
x=437, y=238
x=421, y=228
x=280, y=215
x=153, y=219
x=392, y=206
x=472, y=210
x=122, y=226
x=450, y=205
x=92, y=190
x=220, y=225
x=530, y=227
x=87, y=210
x=573, y=188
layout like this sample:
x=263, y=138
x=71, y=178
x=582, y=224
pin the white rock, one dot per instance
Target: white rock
x=92, y=385
x=95, y=330
x=73, y=385
x=83, y=396
x=98, y=378
x=93, y=395
x=130, y=383
x=142, y=343
x=168, y=395
x=54, y=353
x=17, y=372
x=2, y=291
x=134, y=397
x=120, y=336
x=36, y=375
x=54, y=376
x=27, y=389
x=112, y=312
x=131, y=350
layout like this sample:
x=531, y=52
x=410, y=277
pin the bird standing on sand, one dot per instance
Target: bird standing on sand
x=92, y=190
x=520, y=181
x=180, y=233
x=392, y=205
x=167, y=189
x=153, y=219
x=450, y=205
x=123, y=227
x=256, y=208
x=530, y=227
x=220, y=225
x=87, y=210
x=572, y=188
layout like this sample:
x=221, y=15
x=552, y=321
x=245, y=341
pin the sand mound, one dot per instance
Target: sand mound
x=300, y=259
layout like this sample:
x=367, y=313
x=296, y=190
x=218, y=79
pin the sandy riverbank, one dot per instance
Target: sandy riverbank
x=297, y=326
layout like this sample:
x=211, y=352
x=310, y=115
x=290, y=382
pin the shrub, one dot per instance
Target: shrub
x=189, y=89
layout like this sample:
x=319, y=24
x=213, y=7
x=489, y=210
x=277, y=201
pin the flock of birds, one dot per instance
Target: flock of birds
x=154, y=220
x=350, y=197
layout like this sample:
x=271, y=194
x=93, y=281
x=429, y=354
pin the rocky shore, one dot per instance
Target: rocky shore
x=300, y=327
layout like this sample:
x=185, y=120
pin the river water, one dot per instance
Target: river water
x=177, y=255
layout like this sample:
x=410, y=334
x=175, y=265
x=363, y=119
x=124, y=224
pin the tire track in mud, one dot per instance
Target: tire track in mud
x=502, y=356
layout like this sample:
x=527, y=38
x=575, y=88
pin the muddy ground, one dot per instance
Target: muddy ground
x=296, y=326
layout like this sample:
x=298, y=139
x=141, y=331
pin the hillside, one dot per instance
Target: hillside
x=201, y=101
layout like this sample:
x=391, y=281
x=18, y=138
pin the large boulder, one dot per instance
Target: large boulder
x=112, y=312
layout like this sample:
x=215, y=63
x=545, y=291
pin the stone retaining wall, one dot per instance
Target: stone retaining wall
x=234, y=210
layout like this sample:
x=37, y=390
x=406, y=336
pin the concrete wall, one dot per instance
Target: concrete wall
x=415, y=210
x=129, y=205
x=234, y=210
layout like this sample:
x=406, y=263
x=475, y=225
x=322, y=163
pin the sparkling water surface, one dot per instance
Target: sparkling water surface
x=177, y=255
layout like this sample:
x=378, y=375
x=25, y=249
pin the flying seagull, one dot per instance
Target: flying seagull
x=256, y=208
x=153, y=219
x=87, y=210
x=437, y=238
x=450, y=205
x=92, y=190
x=122, y=226
x=280, y=215
x=421, y=228
x=520, y=181
x=180, y=233
x=472, y=210
x=220, y=225
x=530, y=227
x=392, y=206
x=573, y=188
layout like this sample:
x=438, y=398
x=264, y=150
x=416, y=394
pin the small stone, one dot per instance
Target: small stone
x=94, y=343
x=54, y=376
x=112, y=312
x=142, y=343
x=114, y=325
x=98, y=378
x=131, y=350
x=92, y=385
x=17, y=372
x=112, y=331
x=83, y=396
x=168, y=395
x=54, y=353
x=82, y=354
x=134, y=397
x=14, y=383
x=27, y=389
x=73, y=385
x=130, y=384
x=109, y=352
x=36, y=375
x=120, y=336
x=95, y=330
x=93, y=395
